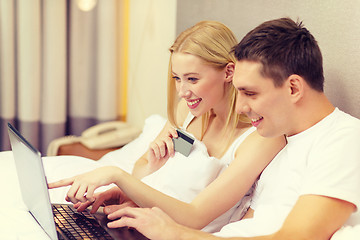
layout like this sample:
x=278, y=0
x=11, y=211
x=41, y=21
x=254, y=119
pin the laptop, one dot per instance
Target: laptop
x=59, y=221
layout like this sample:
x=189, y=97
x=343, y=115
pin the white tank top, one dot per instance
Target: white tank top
x=229, y=155
x=239, y=209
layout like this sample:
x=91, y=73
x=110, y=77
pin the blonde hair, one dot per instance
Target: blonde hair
x=212, y=42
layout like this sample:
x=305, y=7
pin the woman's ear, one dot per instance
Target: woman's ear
x=296, y=87
x=229, y=71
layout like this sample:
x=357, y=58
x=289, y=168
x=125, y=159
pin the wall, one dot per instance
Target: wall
x=152, y=31
x=333, y=23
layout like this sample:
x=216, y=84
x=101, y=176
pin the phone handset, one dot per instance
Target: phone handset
x=109, y=134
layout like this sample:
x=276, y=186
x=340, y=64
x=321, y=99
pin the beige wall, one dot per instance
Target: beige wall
x=335, y=24
x=152, y=31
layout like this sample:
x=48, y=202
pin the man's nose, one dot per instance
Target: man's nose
x=242, y=106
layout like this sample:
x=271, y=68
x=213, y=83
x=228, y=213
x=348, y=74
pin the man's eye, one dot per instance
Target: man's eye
x=249, y=94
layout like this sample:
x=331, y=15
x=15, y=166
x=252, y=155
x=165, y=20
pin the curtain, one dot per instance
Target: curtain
x=62, y=66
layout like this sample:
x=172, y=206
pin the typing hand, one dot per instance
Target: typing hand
x=83, y=186
x=151, y=222
x=112, y=200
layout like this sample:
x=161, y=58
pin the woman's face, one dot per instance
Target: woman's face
x=199, y=84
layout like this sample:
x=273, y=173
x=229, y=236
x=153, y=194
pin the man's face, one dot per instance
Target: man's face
x=267, y=106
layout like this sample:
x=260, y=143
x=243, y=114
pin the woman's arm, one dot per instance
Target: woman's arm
x=252, y=157
x=142, y=167
x=158, y=151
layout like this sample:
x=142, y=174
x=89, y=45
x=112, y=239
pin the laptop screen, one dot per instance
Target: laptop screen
x=32, y=181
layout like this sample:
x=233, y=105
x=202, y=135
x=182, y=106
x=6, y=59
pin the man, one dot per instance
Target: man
x=312, y=187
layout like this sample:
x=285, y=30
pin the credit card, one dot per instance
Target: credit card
x=183, y=144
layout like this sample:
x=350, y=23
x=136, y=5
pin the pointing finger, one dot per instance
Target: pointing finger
x=61, y=183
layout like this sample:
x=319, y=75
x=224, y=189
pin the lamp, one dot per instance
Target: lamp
x=86, y=5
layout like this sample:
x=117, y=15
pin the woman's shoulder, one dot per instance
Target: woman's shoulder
x=255, y=138
x=254, y=141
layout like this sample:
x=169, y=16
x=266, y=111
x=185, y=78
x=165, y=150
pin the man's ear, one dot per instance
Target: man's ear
x=296, y=87
x=229, y=71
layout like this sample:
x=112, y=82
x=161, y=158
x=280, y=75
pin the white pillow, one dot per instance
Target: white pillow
x=126, y=156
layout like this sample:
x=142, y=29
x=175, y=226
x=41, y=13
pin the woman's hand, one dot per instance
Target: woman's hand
x=83, y=186
x=112, y=200
x=161, y=149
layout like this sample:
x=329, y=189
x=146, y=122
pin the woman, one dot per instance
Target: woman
x=201, y=70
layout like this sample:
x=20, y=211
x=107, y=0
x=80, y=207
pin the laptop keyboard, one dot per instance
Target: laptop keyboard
x=76, y=225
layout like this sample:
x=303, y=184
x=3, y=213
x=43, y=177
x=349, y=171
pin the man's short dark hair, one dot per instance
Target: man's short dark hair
x=283, y=47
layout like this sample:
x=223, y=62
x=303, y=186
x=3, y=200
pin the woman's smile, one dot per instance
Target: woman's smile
x=192, y=104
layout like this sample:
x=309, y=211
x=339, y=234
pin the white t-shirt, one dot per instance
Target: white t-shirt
x=322, y=160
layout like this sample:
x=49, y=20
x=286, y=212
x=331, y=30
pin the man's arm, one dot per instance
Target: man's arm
x=313, y=218
x=155, y=224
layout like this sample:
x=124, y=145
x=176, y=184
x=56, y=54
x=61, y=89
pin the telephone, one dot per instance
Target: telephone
x=109, y=134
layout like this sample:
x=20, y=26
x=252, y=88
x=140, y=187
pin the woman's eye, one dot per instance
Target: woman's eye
x=193, y=79
x=176, y=78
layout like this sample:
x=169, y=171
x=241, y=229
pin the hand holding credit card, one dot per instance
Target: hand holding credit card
x=183, y=144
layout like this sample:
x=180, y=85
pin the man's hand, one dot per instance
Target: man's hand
x=151, y=222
